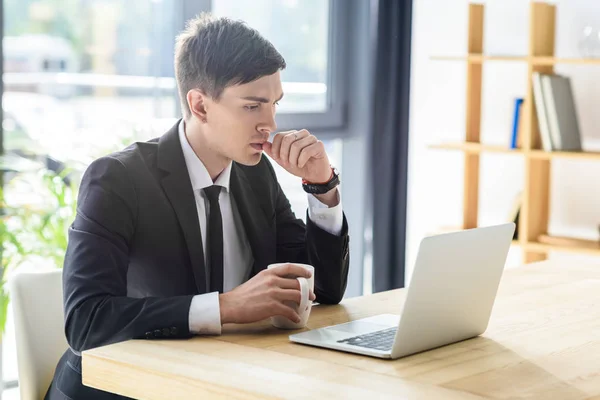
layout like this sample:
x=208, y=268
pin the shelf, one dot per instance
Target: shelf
x=565, y=244
x=559, y=60
x=475, y=148
x=535, y=154
x=480, y=58
x=546, y=243
x=547, y=155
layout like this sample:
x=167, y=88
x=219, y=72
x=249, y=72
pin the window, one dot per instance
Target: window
x=304, y=45
x=309, y=35
x=82, y=78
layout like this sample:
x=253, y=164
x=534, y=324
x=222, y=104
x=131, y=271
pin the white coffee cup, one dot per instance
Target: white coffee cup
x=303, y=309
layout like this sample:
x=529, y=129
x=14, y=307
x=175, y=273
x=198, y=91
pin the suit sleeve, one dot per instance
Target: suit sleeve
x=326, y=252
x=97, y=309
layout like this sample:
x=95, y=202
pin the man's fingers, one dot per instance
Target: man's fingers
x=292, y=269
x=292, y=284
x=267, y=148
x=295, y=295
x=288, y=140
x=286, y=283
x=297, y=148
x=289, y=295
x=314, y=150
x=276, y=145
x=285, y=311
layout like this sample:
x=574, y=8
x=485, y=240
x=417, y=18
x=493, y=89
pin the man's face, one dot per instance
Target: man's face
x=242, y=119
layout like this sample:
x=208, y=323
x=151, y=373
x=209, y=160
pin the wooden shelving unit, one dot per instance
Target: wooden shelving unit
x=533, y=218
x=475, y=148
x=480, y=58
x=536, y=153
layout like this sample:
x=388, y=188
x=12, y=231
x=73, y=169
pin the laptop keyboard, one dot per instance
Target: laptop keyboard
x=379, y=340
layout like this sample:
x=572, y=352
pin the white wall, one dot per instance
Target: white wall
x=438, y=114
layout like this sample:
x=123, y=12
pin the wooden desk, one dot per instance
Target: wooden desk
x=543, y=342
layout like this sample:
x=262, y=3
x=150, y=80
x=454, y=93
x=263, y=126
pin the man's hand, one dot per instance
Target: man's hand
x=301, y=154
x=262, y=296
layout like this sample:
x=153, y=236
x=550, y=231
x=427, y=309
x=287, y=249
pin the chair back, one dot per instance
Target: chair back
x=37, y=301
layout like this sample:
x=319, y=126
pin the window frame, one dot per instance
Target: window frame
x=335, y=116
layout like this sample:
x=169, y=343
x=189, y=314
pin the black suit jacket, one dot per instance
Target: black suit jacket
x=135, y=259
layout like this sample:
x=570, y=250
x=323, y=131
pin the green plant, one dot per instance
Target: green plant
x=37, y=209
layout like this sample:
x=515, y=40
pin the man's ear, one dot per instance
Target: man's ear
x=198, y=103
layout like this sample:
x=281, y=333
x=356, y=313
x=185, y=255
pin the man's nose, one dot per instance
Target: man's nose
x=269, y=125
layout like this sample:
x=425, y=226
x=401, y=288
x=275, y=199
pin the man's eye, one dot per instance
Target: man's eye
x=251, y=107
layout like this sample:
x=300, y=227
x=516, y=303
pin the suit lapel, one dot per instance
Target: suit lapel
x=178, y=188
x=258, y=225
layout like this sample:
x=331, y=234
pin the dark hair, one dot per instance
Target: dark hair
x=214, y=53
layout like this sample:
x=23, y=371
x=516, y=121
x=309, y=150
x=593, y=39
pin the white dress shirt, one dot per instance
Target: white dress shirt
x=205, y=314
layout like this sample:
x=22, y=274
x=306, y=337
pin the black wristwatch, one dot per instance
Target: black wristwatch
x=322, y=188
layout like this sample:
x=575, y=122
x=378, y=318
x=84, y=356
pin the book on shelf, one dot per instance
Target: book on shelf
x=556, y=112
x=517, y=123
x=521, y=127
x=541, y=111
x=562, y=113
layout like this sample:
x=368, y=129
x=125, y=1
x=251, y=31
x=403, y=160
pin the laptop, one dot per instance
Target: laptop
x=449, y=299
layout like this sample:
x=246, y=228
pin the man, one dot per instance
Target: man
x=173, y=236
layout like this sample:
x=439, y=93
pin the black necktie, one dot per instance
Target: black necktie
x=214, y=238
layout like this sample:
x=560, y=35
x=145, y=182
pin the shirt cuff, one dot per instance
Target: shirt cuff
x=205, y=314
x=330, y=219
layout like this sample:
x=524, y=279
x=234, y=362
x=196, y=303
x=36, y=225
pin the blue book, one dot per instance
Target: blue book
x=517, y=115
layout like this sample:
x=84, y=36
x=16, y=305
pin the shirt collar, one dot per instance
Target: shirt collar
x=199, y=175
